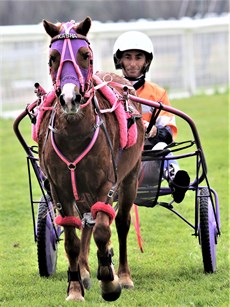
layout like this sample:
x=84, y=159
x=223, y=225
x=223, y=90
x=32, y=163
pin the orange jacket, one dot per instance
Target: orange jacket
x=152, y=91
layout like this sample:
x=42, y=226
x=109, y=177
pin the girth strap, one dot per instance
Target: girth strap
x=132, y=120
x=95, y=101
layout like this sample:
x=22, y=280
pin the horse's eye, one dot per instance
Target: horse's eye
x=51, y=60
x=85, y=55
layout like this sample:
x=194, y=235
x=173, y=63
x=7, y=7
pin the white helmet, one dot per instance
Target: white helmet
x=132, y=40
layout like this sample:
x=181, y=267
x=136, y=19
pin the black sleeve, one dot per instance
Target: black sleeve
x=163, y=135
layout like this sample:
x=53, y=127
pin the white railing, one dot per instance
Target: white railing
x=191, y=56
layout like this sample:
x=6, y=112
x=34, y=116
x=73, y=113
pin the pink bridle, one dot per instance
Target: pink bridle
x=67, y=43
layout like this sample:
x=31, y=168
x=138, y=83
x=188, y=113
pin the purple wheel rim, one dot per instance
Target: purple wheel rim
x=212, y=234
x=51, y=244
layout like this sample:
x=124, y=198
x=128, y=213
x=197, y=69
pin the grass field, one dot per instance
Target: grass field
x=168, y=273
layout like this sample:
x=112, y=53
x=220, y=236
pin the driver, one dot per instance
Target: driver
x=133, y=53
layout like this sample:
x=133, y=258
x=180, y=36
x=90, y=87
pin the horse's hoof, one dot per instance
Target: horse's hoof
x=85, y=277
x=111, y=290
x=75, y=297
x=126, y=282
x=75, y=292
x=87, y=283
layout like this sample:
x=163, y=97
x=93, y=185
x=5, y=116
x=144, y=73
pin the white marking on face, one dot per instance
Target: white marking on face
x=68, y=92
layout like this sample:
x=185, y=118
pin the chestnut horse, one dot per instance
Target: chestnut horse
x=85, y=154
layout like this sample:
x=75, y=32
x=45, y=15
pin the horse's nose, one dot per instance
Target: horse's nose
x=62, y=100
x=76, y=98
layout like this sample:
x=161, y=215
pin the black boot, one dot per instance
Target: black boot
x=180, y=185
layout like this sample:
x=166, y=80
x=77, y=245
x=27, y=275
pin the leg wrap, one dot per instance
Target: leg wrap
x=106, y=208
x=105, y=261
x=68, y=221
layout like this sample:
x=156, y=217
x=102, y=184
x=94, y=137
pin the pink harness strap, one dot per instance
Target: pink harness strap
x=72, y=165
x=127, y=137
x=46, y=105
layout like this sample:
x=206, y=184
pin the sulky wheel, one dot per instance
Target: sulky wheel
x=207, y=231
x=47, y=239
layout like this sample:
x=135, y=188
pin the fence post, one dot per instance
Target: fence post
x=189, y=62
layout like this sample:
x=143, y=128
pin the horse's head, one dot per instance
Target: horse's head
x=70, y=62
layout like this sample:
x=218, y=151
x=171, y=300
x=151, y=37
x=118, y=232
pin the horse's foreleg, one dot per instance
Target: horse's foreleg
x=102, y=234
x=75, y=289
x=83, y=257
x=110, y=285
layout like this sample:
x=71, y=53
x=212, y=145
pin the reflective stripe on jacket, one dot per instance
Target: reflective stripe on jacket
x=152, y=91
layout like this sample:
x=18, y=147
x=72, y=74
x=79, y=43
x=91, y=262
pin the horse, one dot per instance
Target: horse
x=90, y=149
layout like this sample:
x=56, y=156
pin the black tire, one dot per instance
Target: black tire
x=47, y=243
x=207, y=232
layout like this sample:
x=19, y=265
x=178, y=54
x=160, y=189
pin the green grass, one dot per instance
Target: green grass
x=168, y=273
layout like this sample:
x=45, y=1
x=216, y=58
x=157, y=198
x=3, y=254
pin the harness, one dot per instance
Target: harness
x=84, y=81
x=72, y=164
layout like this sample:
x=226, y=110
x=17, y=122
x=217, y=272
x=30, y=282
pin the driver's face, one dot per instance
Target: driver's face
x=133, y=62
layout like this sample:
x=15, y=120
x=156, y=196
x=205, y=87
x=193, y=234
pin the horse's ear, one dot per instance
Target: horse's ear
x=51, y=28
x=84, y=26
